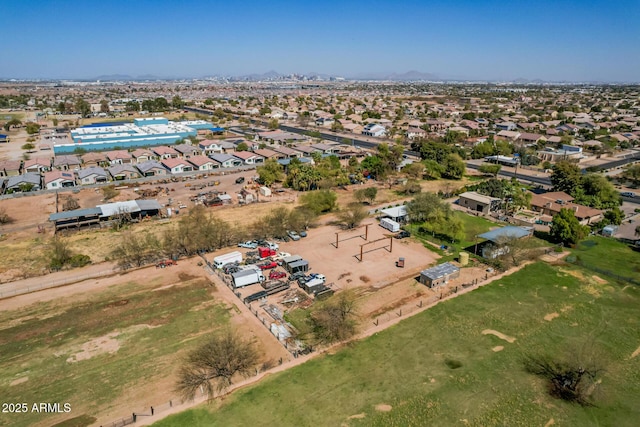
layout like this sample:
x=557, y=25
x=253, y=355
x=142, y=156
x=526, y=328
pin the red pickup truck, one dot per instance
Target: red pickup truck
x=268, y=265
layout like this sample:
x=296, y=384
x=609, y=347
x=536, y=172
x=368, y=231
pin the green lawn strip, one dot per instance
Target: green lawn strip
x=437, y=368
x=38, y=349
x=609, y=254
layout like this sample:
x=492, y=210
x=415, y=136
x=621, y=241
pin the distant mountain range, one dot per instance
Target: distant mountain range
x=405, y=77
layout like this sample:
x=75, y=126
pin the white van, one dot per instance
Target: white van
x=222, y=260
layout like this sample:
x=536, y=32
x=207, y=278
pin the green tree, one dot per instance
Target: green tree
x=242, y=147
x=160, y=104
x=319, y=201
x=414, y=170
x=32, y=128
x=490, y=169
x=273, y=124
x=427, y=207
x=374, y=166
x=482, y=150
x=82, y=107
x=371, y=194
x=454, y=167
x=177, y=102
x=566, y=228
x=632, y=173
x=433, y=169
x=132, y=106
x=270, y=172
x=104, y=106
x=565, y=177
x=596, y=191
x=614, y=216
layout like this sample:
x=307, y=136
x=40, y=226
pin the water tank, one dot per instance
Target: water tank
x=464, y=258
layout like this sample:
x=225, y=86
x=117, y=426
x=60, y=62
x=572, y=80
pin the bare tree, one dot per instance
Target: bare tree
x=352, y=215
x=4, y=217
x=574, y=377
x=59, y=253
x=334, y=319
x=137, y=250
x=212, y=366
x=70, y=204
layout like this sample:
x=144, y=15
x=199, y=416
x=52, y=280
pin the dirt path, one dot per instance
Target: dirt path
x=59, y=278
x=302, y=359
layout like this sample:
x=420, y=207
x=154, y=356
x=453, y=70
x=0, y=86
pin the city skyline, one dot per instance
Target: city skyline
x=568, y=40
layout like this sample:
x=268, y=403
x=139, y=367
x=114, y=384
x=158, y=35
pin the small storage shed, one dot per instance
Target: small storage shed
x=265, y=191
x=439, y=275
x=300, y=266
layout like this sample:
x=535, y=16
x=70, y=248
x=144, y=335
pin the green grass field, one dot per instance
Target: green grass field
x=609, y=254
x=438, y=368
x=153, y=327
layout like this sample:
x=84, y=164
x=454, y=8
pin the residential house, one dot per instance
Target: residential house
x=510, y=126
x=479, y=202
x=374, y=129
x=123, y=172
x=268, y=153
x=56, y=179
x=163, y=152
x=209, y=147
x=326, y=149
x=290, y=116
x=551, y=203
x=142, y=155
x=306, y=150
x=25, y=182
x=249, y=158
x=94, y=158
x=202, y=163
x=226, y=160
x=187, y=150
x=37, y=165
x=151, y=168
x=352, y=127
x=508, y=135
x=10, y=167
x=92, y=175
x=567, y=152
x=175, y=165
x=287, y=152
x=416, y=133
x=119, y=157
x=530, y=138
x=67, y=162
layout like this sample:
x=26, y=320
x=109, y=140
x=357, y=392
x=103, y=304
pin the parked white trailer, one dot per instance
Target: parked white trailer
x=247, y=277
x=389, y=224
x=222, y=260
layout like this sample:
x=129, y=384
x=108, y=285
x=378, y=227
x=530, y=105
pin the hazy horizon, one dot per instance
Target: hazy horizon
x=570, y=40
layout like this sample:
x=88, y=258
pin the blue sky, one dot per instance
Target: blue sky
x=572, y=40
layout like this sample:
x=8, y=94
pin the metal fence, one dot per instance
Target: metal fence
x=604, y=272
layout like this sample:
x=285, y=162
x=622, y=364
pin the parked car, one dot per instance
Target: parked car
x=402, y=234
x=249, y=244
x=317, y=276
x=294, y=236
x=297, y=276
x=628, y=194
x=231, y=268
x=277, y=274
x=240, y=180
x=303, y=233
x=268, y=265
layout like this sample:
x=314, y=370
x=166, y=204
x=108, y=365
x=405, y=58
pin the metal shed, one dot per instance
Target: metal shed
x=439, y=275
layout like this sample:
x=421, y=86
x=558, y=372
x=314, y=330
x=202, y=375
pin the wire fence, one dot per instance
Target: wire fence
x=21, y=290
x=574, y=260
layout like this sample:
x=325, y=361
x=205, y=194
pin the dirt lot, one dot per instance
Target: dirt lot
x=156, y=390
